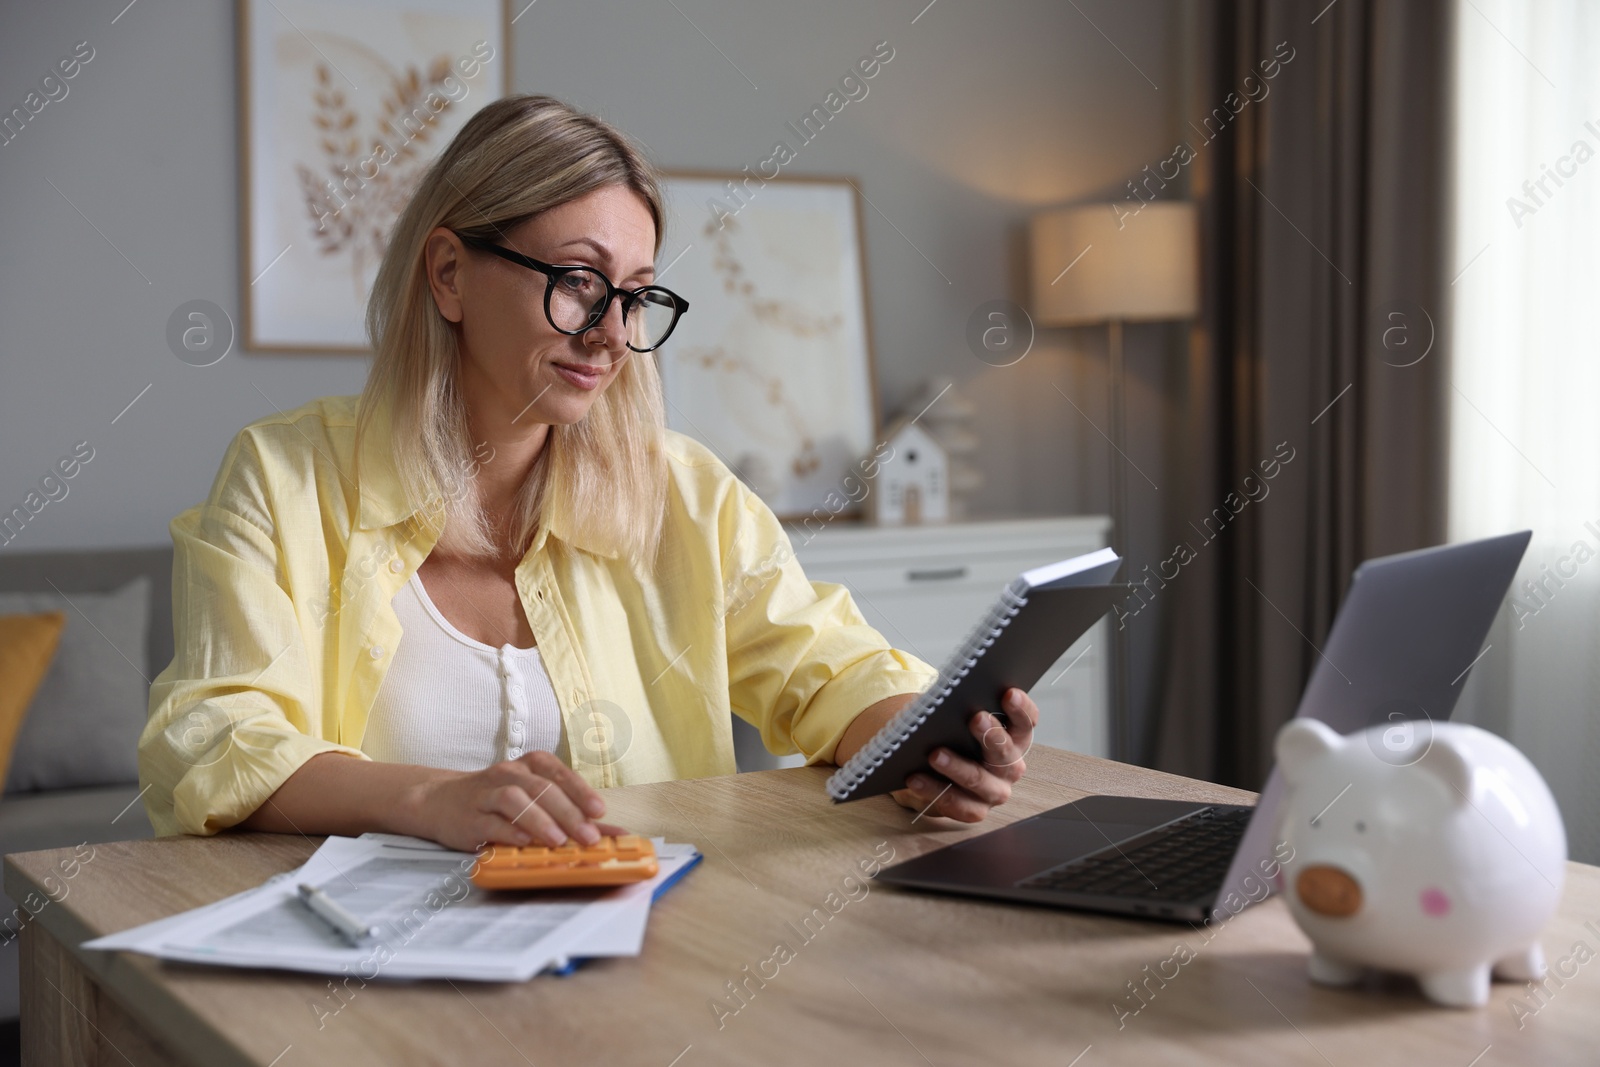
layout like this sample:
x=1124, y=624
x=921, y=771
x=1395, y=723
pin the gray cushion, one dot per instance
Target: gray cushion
x=100, y=570
x=83, y=726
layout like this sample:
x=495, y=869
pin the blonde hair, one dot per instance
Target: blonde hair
x=603, y=478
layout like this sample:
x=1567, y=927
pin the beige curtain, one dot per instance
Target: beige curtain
x=1323, y=213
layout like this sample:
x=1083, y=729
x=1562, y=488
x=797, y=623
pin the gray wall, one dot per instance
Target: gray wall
x=984, y=113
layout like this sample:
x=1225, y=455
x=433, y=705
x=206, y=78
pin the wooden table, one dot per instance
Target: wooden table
x=892, y=977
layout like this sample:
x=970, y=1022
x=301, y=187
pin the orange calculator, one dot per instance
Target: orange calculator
x=610, y=861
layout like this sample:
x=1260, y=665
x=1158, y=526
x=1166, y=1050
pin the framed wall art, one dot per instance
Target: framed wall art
x=772, y=366
x=342, y=106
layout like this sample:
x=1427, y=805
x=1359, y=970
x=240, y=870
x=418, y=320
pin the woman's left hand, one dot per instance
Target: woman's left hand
x=967, y=789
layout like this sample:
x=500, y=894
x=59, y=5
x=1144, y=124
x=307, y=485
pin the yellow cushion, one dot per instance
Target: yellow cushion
x=27, y=645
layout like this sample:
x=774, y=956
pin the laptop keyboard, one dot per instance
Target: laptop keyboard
x=1179, y=862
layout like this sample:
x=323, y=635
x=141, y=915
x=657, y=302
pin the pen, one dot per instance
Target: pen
x=346, y=925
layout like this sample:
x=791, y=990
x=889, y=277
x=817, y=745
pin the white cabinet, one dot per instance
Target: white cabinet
x=925, y=587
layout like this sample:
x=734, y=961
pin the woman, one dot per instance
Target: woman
x=456, y=605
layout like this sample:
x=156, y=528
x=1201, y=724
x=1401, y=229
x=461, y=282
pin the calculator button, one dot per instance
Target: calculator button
x=610, y=861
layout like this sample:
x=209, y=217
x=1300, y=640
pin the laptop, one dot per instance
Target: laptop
x=1410, y=628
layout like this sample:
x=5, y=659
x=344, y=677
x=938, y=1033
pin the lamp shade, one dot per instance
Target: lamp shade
x=1099, y=262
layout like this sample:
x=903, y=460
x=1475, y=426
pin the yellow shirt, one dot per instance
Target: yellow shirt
x=282, y=582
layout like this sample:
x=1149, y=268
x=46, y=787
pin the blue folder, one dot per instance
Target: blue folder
x=571, y=965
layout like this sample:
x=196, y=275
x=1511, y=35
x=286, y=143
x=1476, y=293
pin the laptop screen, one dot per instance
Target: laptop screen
x=1410, y=628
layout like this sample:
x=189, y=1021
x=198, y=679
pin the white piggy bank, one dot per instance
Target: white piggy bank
x=1438, y=856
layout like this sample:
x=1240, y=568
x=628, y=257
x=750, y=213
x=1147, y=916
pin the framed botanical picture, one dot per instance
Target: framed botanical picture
x=772, y=366
x=343, y=104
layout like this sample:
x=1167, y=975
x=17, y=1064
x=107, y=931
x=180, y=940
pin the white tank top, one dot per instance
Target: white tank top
x=450, y=701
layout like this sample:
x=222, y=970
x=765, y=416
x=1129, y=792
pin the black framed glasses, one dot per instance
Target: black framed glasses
x=576, y=298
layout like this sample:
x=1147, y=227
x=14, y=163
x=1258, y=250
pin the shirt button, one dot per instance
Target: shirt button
x=513, y=753
x=396, y=566
x=376, y=651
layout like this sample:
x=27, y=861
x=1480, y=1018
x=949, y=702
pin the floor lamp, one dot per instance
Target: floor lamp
x=1112, y=264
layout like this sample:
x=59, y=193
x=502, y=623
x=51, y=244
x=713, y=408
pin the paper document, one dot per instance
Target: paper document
x=433, y=922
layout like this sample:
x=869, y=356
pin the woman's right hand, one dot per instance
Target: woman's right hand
x=534, y=799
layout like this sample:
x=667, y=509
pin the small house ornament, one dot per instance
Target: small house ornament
x=952, y=420
x=912, y=486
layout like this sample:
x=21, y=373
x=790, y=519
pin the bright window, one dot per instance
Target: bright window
x=1525, y=401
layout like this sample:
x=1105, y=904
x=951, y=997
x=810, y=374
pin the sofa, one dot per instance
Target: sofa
x=59, y=805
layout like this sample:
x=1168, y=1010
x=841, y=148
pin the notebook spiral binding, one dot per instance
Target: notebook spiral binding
x=899, y=729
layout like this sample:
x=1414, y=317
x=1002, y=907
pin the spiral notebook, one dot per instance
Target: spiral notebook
x=1039, y=615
